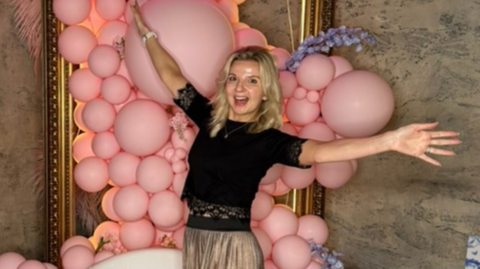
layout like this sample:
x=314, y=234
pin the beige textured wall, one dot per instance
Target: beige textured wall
x=21, y=219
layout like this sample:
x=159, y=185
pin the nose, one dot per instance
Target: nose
x=239, y=87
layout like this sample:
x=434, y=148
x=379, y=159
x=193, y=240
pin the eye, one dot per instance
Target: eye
x=252, y=81
x=231, y=79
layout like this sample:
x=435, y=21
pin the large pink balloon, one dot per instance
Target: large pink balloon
x=137, y=235
x=154, y=174
x=75, y=44
x=98, y=115
x=31, y=264
x=311, y=227
x=165, y=209
x=91, y=174
x=71, y=11
x=357, y=104
x=315, y=72
x=10, y=260
x=122, y=168
x=197, y=35
x=334, y=175
x=111, y=32
x=131, y=203
x=230, y=9
x=142, y=127
x=317, y=131
x=291, y=252
x=281, y=222
x=78, y=257
x=83, y=85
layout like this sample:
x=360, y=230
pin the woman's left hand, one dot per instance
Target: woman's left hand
x=420, y=139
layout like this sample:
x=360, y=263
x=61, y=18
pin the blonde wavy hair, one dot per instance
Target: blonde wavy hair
x=270, y=111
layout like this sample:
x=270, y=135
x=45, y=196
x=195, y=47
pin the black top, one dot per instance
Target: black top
x=227, y=171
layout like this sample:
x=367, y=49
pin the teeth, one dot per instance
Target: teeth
x=241, y=98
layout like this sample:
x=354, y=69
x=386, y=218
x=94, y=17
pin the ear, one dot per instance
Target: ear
x=264, y=98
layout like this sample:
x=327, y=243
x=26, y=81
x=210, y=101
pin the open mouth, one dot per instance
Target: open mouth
x=240, y=101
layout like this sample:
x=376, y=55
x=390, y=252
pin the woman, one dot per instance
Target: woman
x=239, y=140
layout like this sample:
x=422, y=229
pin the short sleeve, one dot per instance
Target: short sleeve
x=285, y=149
x=196, y=106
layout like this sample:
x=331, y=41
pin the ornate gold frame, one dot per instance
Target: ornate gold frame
x=60, y=130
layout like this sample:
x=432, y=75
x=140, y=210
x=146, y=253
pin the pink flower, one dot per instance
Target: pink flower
x=179, y=123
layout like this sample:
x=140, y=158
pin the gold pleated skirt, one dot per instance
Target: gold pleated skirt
x=205, y=249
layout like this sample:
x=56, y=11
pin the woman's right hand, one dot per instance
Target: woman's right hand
x=139, y=22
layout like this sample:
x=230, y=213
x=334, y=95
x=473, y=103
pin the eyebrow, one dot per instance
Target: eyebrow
x=248, y=76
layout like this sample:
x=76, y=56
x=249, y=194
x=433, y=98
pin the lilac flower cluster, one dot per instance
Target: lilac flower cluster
x=179, y=123
x=334, y=38
x=327, y=260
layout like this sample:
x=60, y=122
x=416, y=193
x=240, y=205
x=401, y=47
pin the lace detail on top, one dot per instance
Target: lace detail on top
x=186, y=96
x=202, y=208
x=295, y=151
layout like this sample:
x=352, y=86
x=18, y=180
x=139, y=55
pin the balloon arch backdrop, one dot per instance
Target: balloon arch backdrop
x=135, y=141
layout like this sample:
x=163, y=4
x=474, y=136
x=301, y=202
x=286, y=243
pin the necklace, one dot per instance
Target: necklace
x=227, y=133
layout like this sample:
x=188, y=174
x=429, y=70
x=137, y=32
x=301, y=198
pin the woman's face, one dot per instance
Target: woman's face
x=244, y=90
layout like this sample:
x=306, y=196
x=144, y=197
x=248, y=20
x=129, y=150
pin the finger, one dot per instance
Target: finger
x=429, y=160
x=439, y=134
x=443, y=152
x=426, y=126
x=444, y=142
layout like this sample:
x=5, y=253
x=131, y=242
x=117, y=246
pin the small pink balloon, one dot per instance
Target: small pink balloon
x=273, y=174
x=11, y=260
x=104, y=61
x=288, y=83
x=270, y=265
x=300, y=93
x=75, y=44
x=71, y=12
x=181, y=153
x=239, y=26
x=122, y=169
x=281, y=222
x=137, y=235
x=77, y=115
x=82, y=146
x=315, y=72
x=179, y=167
x=280, y=188
x=311, y=227
x=281, y=57
x=302, y=112
x=250, y=37
x=78, y=257
x=178, y=237
x=116, y=89
x=169, y=153
x=165, y=209
x=131, y=203
x=264, y=241
x=49, y=265
x=31, y=264
x=313, y=96
x=334, y=175
x=110, y=9
x=104, y=145
x=186, y=141
x=317, y=131
x=291, y=252
x=75, y=241
x=162, y=151
x=142, y=127
x=297, y=178
x=83, y=85
x=91, y=174
x=107, y=204
x=262, y=206
x=341, y=64
x=98, y=115
x=102, y=255
x=230, y=9
x=268, y=188
x=154, y=174
x=106, y=230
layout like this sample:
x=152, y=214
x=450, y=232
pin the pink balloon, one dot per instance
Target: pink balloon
x=264, y=241
x=91, y=174
x=82, y=146
x=281, y=57
x=75, y=241
x=78, y=257
x=83, y=85
x=133, y=96
x=311, y=227
x=315, y=72
x=254, y=223
x=116, y=89
x=165, y=209
x=179, y=167
x=161, y=152
x=104, y=145
x=104, y=61
x=110, y=9
x=154, y=174
x=107, y=204
x=178, y=23
x=270, y=265
x=313, y=96
x=250, y=37
x=302, y=112
x=123, y=71
x=71, y=12
x=297, y=178
x=291, y=252
x=106, y=230
x=357, y=104
x=268, y=188
x=288, y=83
x=11, y=260
x=262, y=206
x=186, y=141
x=281, y=222
x=280, y=188
x=137, y=235
x=289, y=129
x=142, y=127
x=341, y=64
x=122, y=169
x=131, y=203
x=98, y=115
x=49, y=265
x=75, y=44
x=273, y=174
x=238, y=2
x=300, y=93
x=239, y=26
x=178, y=237
x=102, y=255
x=314, y=265
x=94, y=21
x=173, y=227
x=111, y=32
x=230, y=9
x=317, y=131
x=77, y=115
x=31, y=264
x=334, y=175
